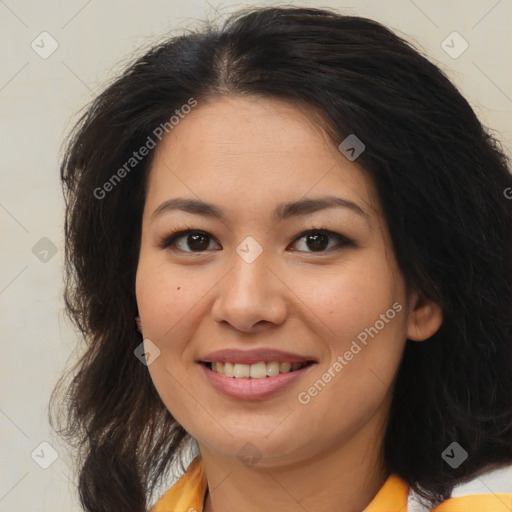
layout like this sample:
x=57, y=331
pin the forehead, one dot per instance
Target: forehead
x=253, y=151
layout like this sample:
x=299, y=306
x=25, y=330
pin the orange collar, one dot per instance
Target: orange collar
x=188, y=493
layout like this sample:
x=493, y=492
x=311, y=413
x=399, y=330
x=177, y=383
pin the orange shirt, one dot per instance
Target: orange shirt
x=188, y=493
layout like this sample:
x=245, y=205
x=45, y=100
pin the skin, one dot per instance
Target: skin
x=246, y=155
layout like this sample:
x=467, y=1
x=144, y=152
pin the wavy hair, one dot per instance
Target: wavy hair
x=440, y=177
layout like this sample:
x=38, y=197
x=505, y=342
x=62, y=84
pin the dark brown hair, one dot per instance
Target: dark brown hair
x=440, y=178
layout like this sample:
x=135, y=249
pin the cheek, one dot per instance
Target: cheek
x=165, y=300
x=347, y=299
x=165, y=296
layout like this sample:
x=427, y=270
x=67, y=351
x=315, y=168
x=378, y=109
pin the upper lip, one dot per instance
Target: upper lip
x=253, y=356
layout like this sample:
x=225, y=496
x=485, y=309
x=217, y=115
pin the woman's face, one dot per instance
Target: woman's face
x=252, y=288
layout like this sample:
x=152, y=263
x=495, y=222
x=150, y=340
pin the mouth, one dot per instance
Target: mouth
x=254, y=374
x=243, y=386
x=259, y=370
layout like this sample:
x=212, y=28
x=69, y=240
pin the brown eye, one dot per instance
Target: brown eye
x=188, y=241
x=197, y=242
x=319, y=240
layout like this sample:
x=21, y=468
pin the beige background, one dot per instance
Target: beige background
x=39, y=100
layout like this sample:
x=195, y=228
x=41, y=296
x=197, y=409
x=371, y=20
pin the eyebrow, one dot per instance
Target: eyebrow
x=282, y=211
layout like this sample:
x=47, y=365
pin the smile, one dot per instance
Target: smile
x=258, y=370
x=252, y=381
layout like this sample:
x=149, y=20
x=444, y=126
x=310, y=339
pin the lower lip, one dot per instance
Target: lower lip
x=253, y=389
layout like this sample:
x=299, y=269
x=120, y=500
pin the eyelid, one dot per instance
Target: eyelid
x=166, y=242
x=342, y=240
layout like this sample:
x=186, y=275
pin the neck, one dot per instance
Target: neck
x=345, y=477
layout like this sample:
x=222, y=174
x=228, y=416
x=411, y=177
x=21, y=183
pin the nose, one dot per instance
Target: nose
x=250, y=297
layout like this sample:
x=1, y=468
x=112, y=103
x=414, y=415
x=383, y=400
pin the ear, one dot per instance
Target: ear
x=425, y=318
x=138, y=323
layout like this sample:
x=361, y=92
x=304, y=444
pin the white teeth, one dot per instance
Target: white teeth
x=240, y=371
x=228, y=369
x=254, y=371
x=284, y=367
x=258, y=371
x=272, y=369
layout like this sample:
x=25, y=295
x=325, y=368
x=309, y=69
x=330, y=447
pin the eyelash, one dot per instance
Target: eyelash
x=169, y=240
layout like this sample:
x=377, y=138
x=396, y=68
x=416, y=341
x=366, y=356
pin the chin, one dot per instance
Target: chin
x=258, y=450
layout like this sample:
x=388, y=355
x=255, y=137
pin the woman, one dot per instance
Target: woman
x=310, y=227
